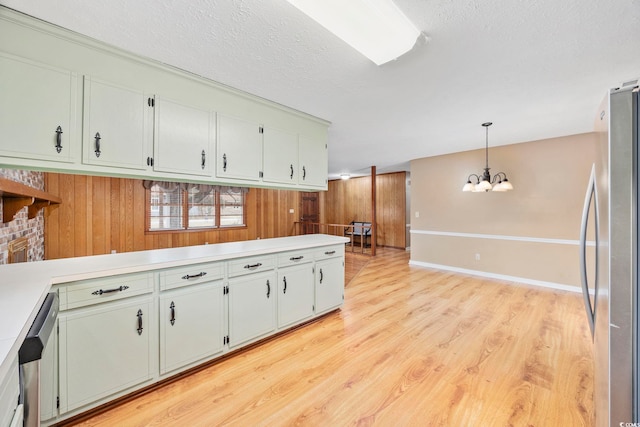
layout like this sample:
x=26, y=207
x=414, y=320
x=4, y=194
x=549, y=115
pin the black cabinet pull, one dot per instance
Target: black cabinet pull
x=268, y=289
x=98, y=138
x=59, y=139
x=291, y=174
x=139, y=315
x=330, y=252
x=321, y=276
x=252, y=266
x=108, y=291
x=203, y=159
x=296, y=258
x=172, y=319
x=284, y=279
x=224, y=162
x=304, y=173
x=194, y=276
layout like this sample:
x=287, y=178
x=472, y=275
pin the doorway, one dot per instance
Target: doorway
x=310, y=212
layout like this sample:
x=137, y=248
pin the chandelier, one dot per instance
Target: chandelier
x=484, y=182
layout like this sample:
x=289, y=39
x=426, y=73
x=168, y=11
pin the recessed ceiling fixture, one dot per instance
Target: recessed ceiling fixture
x=345, y=176
x=375, y=28
x=484, y=182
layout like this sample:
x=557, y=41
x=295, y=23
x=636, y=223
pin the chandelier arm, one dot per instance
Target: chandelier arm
x=477, y=178
x=499, y=176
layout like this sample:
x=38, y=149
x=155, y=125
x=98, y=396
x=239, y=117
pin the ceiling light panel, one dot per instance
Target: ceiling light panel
x=375, y=28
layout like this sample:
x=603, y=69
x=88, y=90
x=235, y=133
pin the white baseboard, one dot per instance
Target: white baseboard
x=552, y=285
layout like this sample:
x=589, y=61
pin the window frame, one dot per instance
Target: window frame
x=184, y=195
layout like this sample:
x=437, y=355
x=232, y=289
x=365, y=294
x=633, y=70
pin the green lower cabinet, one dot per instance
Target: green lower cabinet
x=10, y=411
x=295, y=294
x=118, y=334
x=192, y=326
x=106, y=349
x=329, y=284
x=252, y=307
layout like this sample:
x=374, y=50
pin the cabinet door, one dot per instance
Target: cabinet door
x=9, y=393
x=114, y=125
x=191, y=325
x=252, y=307
x=239, y=149
x=37, y=110
x=105, y=349
x=313, y=162
x=280, y=156
x=329, y=284
x=295, y=294
x=183, y=138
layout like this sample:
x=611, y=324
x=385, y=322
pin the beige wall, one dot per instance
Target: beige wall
x=529, y=234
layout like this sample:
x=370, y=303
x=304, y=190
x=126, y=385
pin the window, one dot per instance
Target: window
x=179, y=206
x=231, y=208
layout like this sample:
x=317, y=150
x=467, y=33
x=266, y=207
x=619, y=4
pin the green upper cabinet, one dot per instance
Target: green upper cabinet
x=184, y=138
x=313, y=162
x=115, y=125
x=37, y=110
x=280, y=158
x=239, y=149
x=71, y=104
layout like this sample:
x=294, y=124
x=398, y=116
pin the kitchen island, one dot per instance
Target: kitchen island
x=157, y=277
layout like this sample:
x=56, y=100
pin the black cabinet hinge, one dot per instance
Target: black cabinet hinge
x=151, y=102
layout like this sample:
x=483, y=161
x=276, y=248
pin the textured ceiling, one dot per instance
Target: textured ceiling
x=536, y=68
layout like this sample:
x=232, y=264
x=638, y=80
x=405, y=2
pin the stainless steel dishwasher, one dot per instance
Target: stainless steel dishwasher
x=29, y=357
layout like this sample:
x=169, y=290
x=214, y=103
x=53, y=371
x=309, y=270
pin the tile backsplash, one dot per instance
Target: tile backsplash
x=21, y=226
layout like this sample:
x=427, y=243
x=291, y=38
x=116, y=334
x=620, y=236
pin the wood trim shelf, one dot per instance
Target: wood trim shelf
x=15, y=196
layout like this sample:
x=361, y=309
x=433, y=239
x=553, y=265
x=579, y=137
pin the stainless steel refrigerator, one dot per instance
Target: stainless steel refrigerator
x=609, y=264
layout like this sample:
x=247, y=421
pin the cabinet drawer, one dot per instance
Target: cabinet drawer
x=190, y=275
x=329, y=252
x=294, y=257
x=95, y=291
x=249, y=265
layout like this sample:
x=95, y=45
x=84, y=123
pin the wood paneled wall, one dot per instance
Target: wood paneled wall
x=101, y=214
x=350, y=200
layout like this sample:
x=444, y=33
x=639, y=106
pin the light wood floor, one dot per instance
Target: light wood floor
x=411, y=347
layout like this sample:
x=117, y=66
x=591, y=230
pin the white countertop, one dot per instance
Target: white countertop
x=24, y=286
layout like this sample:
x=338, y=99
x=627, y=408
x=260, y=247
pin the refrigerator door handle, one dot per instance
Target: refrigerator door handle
x=592, y=195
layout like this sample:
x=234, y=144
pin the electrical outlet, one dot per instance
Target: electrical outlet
x=417, y=214
x=291, y=210
x=477, y=257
